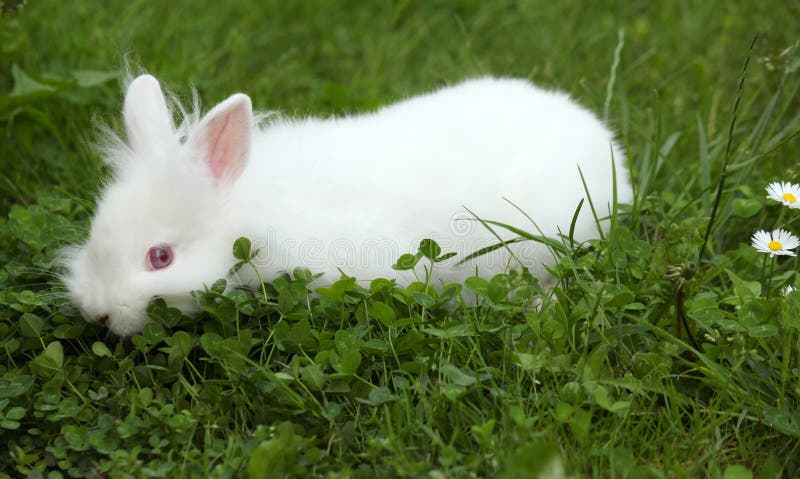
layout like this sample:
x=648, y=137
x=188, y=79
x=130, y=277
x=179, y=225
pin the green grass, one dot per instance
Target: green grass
x=388, y=381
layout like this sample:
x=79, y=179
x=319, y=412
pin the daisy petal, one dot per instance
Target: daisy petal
x=779, y=242
x=785, y=193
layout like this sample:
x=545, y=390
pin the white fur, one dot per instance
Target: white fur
x=349, y=194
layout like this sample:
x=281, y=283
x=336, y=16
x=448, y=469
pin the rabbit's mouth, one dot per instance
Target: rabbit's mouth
x=122, y=320
x=127, y=319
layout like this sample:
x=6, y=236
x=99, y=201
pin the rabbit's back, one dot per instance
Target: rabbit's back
x=406, y=171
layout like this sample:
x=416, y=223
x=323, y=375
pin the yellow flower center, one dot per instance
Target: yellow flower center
x=775, y=245
x=789, y=197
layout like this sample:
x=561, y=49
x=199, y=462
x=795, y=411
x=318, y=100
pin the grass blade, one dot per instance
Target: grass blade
x=726, y=157
x=591, y=206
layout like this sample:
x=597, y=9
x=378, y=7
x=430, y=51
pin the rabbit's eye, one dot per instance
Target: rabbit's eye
x=159, y=257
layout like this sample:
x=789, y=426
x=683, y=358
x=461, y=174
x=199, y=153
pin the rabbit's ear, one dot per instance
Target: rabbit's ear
x=222, y=139
x=147, y=118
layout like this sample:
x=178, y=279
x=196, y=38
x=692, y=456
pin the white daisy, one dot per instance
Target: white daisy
x=779, y=242
x=785, y=192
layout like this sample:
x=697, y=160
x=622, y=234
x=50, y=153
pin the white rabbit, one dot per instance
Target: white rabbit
x=347, y=194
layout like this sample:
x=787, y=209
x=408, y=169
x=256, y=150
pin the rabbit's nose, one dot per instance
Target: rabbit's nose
x=101, y=319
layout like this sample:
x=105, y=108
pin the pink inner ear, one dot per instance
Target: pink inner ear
x=227, y=146
x=219, y=152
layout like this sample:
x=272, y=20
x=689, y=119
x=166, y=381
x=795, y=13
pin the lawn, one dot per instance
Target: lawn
x=669, y=348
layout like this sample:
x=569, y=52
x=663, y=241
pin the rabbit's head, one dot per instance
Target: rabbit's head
x=163, y=225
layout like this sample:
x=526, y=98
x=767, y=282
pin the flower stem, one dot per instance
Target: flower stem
x=778, y=221
x=769, y=278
